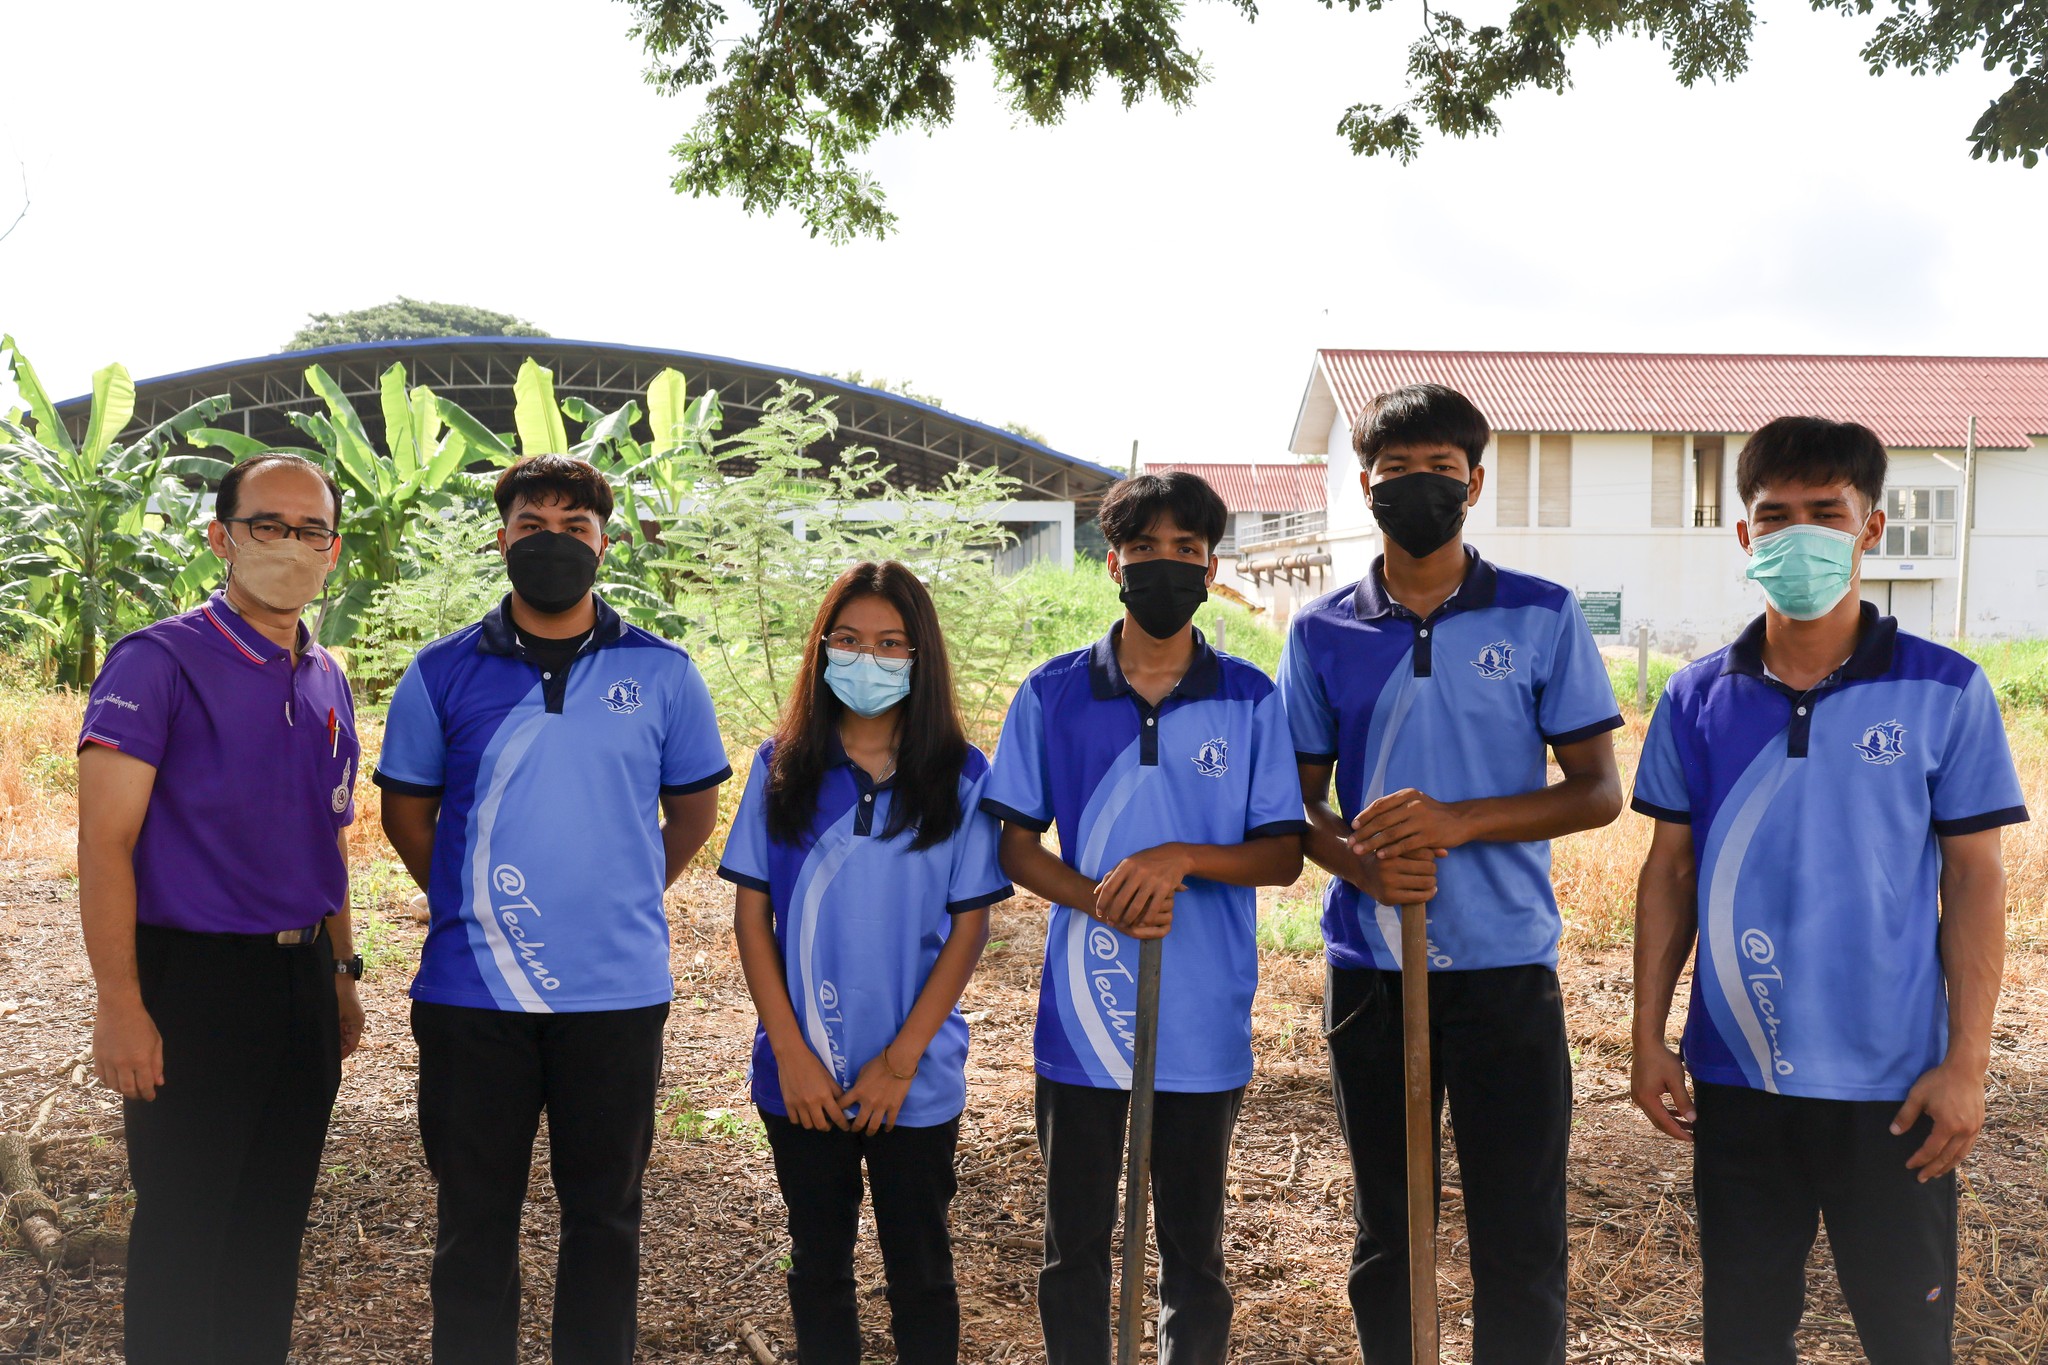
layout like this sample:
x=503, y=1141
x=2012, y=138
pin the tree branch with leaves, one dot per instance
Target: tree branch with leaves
x=790, y=105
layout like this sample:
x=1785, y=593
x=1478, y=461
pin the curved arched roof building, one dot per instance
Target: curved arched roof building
x=921, y=442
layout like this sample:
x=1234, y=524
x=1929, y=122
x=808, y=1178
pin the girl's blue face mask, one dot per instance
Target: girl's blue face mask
x=865, y=687
x=1805, y=570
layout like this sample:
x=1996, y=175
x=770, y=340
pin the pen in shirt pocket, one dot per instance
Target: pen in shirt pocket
x=333, y=734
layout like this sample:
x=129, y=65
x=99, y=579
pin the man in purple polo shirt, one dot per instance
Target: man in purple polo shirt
x=215, y=778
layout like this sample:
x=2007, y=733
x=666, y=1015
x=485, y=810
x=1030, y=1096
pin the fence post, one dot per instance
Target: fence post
x=1642, y=668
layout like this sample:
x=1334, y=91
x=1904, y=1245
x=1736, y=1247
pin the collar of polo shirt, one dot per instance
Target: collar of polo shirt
x=1372, y=600
x=251, y=643
x=1876, y=638
x=1106, y=675
x=500, y=636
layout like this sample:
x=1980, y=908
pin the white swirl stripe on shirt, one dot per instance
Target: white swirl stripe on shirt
x=1771, y=770
x=483, y=822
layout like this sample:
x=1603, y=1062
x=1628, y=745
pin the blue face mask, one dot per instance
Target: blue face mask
x=1804, y=570
x=867, y=688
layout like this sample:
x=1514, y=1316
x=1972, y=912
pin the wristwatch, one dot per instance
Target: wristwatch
x=349, y=966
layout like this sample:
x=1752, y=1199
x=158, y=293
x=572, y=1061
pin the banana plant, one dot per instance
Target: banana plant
x=96, y=534
x=420, y=472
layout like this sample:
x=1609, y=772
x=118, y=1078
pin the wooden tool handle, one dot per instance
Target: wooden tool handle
x=1138, y=1172
x=1421, y=1135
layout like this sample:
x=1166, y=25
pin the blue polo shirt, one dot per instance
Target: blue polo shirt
x=548, y=865
x=1460, y=706
x=860, y=920
x=255, y=764
x=1209, y=765
x=1816, y=824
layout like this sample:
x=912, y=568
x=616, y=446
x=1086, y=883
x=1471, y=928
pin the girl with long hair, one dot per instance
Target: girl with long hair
x=865, y=868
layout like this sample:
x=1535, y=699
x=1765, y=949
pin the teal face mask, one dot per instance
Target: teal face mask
x=865, y=686
x=1804, y=570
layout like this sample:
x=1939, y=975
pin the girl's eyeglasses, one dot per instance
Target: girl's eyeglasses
x=892, y=657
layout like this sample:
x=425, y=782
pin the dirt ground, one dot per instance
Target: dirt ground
x=714, y=1230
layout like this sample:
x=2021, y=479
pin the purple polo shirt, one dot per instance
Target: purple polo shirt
x=255, y=771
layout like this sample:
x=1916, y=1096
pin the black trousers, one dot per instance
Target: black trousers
x=1766, y=1170
x=1081, y=1135
x=1499, y=1055
x=485, y=1077
x=224, y=1158
x=910, y=1173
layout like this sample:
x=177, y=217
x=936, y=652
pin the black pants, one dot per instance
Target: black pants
x=1498, y=1053
x=485, y=1077
x=910, y=1172
x=224, y=1158
x=1081, y=1135
x=1766, y=1170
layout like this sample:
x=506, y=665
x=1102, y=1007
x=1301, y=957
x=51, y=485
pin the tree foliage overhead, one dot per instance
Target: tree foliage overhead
x=405, y=319
x=791, y=103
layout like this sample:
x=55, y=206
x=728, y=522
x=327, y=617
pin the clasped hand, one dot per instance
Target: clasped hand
x=1137, y=895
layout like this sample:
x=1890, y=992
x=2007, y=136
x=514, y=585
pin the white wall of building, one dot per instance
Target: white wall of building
x=1687, y=583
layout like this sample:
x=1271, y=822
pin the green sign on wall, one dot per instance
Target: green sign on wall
x=1603, y=611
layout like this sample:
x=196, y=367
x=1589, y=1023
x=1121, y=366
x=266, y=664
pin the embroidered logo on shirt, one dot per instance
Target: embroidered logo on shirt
x=116, y=699
x=623, y=696
x=1496, y=660
x=338, y=798
x=1883, y=744
x=1212, y=759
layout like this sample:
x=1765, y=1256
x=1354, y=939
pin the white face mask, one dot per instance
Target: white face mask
x=282, y=575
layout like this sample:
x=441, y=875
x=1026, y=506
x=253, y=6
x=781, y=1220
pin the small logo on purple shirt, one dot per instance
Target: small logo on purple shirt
x=623, y=696
x=338, y=798
x=115, y=699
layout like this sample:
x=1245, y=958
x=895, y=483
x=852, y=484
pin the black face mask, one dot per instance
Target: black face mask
x=1420, y=512
x=550, y=571
x=1163, y=594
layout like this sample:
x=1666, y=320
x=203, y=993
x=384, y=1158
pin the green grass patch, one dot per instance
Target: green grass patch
x=1294, y=923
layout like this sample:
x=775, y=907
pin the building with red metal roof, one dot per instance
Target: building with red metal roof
x=1614, y=473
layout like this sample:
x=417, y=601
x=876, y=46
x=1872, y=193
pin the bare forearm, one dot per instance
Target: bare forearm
x=1666, y=925
x=943, y=988
x=106, y=905
x=761, y=964
x=1043, y=873
x=1972, y=957
x=1579, y=802
x=1271, y=861
x=411, y=832
x=1328, y=843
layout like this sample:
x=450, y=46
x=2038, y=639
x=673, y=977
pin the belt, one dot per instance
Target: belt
x=290, y=938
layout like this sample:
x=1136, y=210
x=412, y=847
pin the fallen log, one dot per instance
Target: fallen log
x=42, y=1223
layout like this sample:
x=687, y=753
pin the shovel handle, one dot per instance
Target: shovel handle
x=1138, y=1171
x=1421, y=1135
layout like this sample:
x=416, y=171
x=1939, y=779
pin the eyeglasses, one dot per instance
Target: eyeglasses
x=263, y=530
x=844, y=647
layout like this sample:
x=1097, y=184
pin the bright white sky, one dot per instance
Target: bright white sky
x=204, y=175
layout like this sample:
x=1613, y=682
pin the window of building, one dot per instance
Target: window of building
x=1919, y=522
x=1554, y=481
x=1511, y=479
x=1706, y=479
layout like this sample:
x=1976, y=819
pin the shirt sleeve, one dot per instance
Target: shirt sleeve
x=134, y=701
x=745, y=859
x=977, y=878
x=1660, y=774
x=1311, y=720
x=1578, y=698
x=1976, y=787
x=413, y=761
x=1275, y=805
x=1017, y=790
x=692, y=754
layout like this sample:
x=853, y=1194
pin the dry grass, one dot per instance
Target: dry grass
x=38, y=780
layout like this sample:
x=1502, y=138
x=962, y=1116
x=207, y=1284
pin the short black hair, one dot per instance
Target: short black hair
x=1815, y=451
x=565, y=479
x=1131, y=506
x=1420, y=415
x=227, y=499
